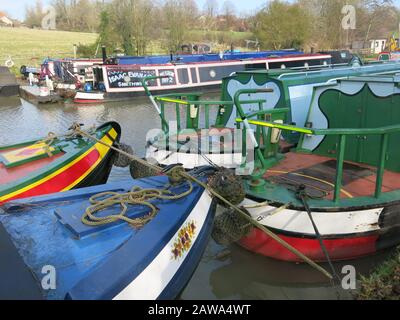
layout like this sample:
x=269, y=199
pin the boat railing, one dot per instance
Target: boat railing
x=307, y=73
x=193, y=109
x=342, y=133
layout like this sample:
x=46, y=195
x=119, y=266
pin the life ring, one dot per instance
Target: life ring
x=9, y=63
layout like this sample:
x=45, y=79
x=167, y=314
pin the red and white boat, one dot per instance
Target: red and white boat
x=340, y=186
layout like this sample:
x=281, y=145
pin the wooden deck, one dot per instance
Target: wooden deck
x=318, y=174
x=32, y=94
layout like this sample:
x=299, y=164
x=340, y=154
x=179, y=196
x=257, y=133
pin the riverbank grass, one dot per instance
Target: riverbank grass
x=383, y=283
x=30, y=46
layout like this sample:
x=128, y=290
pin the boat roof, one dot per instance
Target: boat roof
x=376, y=78
x=195, y=58
x=335, y=71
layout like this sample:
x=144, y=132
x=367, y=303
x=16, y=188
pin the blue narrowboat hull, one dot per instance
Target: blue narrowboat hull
x=116, y=261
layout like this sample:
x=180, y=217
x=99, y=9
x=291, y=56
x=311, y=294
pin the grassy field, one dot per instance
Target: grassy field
x=29, y=47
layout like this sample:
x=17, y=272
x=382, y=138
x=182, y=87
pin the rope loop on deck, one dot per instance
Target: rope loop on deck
x=136, y=196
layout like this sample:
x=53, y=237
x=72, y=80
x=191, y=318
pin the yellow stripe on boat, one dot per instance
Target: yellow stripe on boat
x=100, y=148
x=173, y=100
x=277, y=126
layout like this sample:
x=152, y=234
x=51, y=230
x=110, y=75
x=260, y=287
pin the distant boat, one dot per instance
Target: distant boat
x=118, y=260
x=53, y=165
x=121, y=77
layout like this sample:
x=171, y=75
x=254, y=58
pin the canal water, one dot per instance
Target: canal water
x=224, y=272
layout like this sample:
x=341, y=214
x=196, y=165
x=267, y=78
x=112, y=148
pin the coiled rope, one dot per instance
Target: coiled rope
x=137, y=196
x=184, y=174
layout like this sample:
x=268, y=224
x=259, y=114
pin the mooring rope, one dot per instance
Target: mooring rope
x=183, y=173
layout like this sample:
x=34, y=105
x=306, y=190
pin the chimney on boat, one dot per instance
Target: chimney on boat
x=104, y=54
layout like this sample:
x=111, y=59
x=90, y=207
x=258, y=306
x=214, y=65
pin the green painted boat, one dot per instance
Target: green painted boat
x=202, y=131
x=339, y=186
x=291, y=89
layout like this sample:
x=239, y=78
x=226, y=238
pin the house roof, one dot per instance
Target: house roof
x=2, y=14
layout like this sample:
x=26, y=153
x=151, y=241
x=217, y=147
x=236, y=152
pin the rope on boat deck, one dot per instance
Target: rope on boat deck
x=137, y=196
x=184, y=174
x=51, y=137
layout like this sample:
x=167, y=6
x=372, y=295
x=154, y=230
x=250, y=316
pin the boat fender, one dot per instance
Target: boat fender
x=228, y=185
x=193, y=111
x=276, y=133
x=229, y=227
x=22, y=70
x=139, y=171
x=88, y=87
x=121, y=160
x=173, y=172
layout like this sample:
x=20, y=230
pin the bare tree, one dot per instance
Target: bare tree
x=180, y=16
x=133, y=21
x=210, y=13
x=228, y=11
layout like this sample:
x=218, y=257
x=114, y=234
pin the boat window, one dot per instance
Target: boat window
x=183, y=76
x=255, y=66
x=384, y=57
x=194, y=75
x=98, y=72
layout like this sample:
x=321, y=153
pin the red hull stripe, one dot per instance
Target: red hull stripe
x=64, y=179
x=338, y=249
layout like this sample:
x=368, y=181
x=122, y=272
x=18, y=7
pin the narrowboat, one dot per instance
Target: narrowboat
x=121, y=78
x=57, y=163
x=72, y=245
x=203, y=130
x=337, y=195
